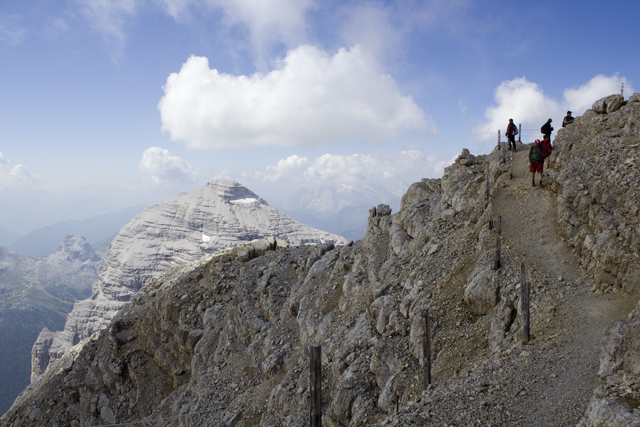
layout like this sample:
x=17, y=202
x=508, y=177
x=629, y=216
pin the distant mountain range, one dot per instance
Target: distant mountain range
x=43, y=241
x=37, y=293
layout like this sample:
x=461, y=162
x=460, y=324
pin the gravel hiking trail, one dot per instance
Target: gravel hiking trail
x=560, y=372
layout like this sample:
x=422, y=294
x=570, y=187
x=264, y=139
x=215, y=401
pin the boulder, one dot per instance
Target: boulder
x=481, y=292
x=608, y=104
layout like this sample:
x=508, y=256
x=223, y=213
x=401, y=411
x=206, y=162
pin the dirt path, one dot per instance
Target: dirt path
x=562, y=377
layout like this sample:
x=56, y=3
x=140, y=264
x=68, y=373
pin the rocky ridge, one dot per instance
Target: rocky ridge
x=223, y=340
x=176, y=231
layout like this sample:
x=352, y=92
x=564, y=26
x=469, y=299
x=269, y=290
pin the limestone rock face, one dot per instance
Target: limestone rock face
x=620, y=368
x=179, y=230
x=596, y=169
x=608, y=104
x=609, y=413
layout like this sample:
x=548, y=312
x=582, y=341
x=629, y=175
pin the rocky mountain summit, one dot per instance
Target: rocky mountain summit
x=224, y=340
x=179, y=230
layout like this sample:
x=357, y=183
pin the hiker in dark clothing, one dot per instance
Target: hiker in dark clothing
x=537, y=160
x=546, y=143
x=511, y=133
x=568, y=119
x=546, y=129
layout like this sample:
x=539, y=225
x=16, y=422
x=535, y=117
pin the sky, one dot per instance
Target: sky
x=106, y=104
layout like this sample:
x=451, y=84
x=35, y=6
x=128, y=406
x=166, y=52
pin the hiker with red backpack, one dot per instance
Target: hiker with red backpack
x=536, y=158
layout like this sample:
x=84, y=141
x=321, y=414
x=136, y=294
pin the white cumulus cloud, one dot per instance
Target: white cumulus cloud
x=522, y=100
x=526, y=103
x=15, y=176
x=578, y=100
x=391, y=171
x=311, y=98
x=165, y=168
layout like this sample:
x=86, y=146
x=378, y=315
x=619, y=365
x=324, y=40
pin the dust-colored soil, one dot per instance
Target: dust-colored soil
x=563, y=376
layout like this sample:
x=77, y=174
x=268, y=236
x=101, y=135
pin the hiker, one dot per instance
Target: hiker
x=568, y=119
x=512, y=131
x=536, y=159
x=546, y=129
x=546, y=143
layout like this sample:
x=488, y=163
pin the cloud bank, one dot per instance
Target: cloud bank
x=15, y=176
x=392, y=171
x=165, y=168
x=526, y=103
x=311, y=98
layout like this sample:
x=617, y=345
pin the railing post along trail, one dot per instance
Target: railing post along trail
x=524, y=303
x=315, y=384
x=498, y=227
x=491, y=213
x=511, y=165
x=490, y=205
x=426, y=347
x=488, y=180
x=519, y=131
x=498, y=139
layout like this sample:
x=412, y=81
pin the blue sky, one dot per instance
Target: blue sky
x=121, y=102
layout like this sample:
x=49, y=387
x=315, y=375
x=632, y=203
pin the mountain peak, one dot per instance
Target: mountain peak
x=76, y=248
x=231, y=190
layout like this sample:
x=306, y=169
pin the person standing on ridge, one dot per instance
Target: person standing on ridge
x=546, y=143
x=568, y=119
x=537, y=161
x=546, y=129
x=511, y=133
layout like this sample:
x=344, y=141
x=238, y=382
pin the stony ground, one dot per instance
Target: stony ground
x=550, y=381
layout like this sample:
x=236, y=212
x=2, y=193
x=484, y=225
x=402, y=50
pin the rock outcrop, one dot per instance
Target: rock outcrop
x=179, y=230
x=614, y=404
x=596, y=170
